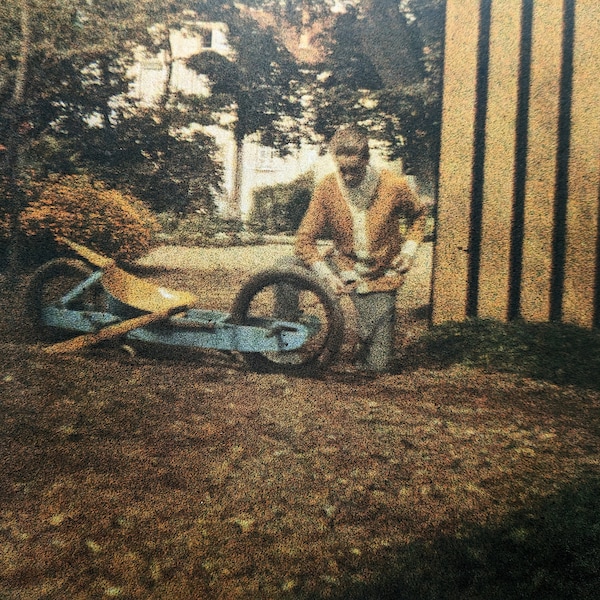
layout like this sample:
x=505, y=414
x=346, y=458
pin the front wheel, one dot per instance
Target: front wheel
x=293, y=295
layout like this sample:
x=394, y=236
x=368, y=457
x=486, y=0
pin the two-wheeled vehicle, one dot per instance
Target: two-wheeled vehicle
x=89, y=299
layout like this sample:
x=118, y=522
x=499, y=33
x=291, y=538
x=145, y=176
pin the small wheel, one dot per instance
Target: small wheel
x=294, y=295
x=50, y=283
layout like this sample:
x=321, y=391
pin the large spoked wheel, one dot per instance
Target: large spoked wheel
x=292, y=295
x=50, y=283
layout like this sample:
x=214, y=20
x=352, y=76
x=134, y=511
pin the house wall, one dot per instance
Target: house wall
x=517, y=216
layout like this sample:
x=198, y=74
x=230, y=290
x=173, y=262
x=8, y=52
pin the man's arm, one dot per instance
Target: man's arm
x=309, y=230
x=308, y=233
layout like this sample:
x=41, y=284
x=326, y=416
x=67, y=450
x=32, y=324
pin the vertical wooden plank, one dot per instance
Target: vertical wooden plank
x=541, y=159
x=584, y=169
x=499, y=170
x=450, y=270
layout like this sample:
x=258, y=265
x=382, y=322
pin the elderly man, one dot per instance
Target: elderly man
x=361, y=208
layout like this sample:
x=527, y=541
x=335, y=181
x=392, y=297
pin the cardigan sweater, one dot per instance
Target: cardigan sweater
x=329, y=213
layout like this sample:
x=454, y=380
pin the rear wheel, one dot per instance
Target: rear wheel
x=292, y=295
x=50, y=283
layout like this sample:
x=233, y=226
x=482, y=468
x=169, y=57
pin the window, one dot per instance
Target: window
x=265, y=159
x=205, y=36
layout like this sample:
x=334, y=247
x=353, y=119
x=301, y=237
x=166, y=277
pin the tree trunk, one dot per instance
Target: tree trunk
x=15, y=106
x=14, y=118
x=392, y=46
x=233, y=206
x=166, y=93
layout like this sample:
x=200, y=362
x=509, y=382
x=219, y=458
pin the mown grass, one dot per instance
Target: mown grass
x=558, y=353
x=550, y=551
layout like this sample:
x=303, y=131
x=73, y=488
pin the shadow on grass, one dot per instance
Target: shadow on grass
x=548, y=551
x=558, y=353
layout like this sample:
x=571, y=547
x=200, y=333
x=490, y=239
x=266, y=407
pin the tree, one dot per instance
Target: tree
x=64, y=99
x=383, y=70
x=256, y=85
x=155, y=154
x=391, y=43
x=67, y=65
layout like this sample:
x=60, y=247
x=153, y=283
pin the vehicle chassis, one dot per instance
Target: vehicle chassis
x=107, y=302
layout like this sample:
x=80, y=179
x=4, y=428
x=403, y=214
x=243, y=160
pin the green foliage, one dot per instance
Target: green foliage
x=150, y=153
x=560, y=353
x=77, y=54
x=108, y=221
x=409, y=119
x=73, y=114
x=350, y=64
x=76, y=115
x=258, y=83
x=383, y=71
x=280, y=208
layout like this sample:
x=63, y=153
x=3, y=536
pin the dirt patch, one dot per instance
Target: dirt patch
x=186, y=476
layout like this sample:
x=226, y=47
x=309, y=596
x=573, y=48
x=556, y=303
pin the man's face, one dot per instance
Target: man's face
x=352, y=169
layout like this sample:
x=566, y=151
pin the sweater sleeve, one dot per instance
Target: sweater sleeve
x=309, y=230
x=311, y=227
x=416, y=216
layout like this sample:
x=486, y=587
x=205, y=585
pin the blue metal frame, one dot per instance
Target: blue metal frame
x=195, y=328
x=72, y=295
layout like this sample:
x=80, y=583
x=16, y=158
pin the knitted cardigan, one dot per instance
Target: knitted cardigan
x=328, y=213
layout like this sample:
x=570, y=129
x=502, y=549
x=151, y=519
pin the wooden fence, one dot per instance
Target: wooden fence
x=517, y=216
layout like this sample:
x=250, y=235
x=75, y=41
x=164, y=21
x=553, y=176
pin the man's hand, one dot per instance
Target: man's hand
x=336, y=284
x=350, y=279
x=331, y=280
x=405, y=261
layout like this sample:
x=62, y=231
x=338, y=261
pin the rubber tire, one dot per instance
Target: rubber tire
x=335, y=319
x=34, y=301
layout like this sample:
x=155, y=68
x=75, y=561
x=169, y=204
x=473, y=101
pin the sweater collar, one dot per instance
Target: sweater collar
x=360, y=196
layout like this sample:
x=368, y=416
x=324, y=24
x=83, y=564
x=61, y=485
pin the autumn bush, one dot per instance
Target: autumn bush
x=109, y=221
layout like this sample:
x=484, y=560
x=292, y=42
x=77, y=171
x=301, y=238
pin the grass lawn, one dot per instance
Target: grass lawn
x=472, y=474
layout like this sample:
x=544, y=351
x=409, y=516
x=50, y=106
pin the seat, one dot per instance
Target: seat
x=129, y=289
x=141, y=294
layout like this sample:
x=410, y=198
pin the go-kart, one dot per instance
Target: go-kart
x=89, y=299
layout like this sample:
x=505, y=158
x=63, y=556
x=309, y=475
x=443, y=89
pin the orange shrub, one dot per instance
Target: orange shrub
x=108, y=221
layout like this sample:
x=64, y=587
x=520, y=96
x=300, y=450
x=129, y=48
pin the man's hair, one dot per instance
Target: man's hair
x=349, y=140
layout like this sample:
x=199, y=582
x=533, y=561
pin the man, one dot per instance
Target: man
x=361, y=208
